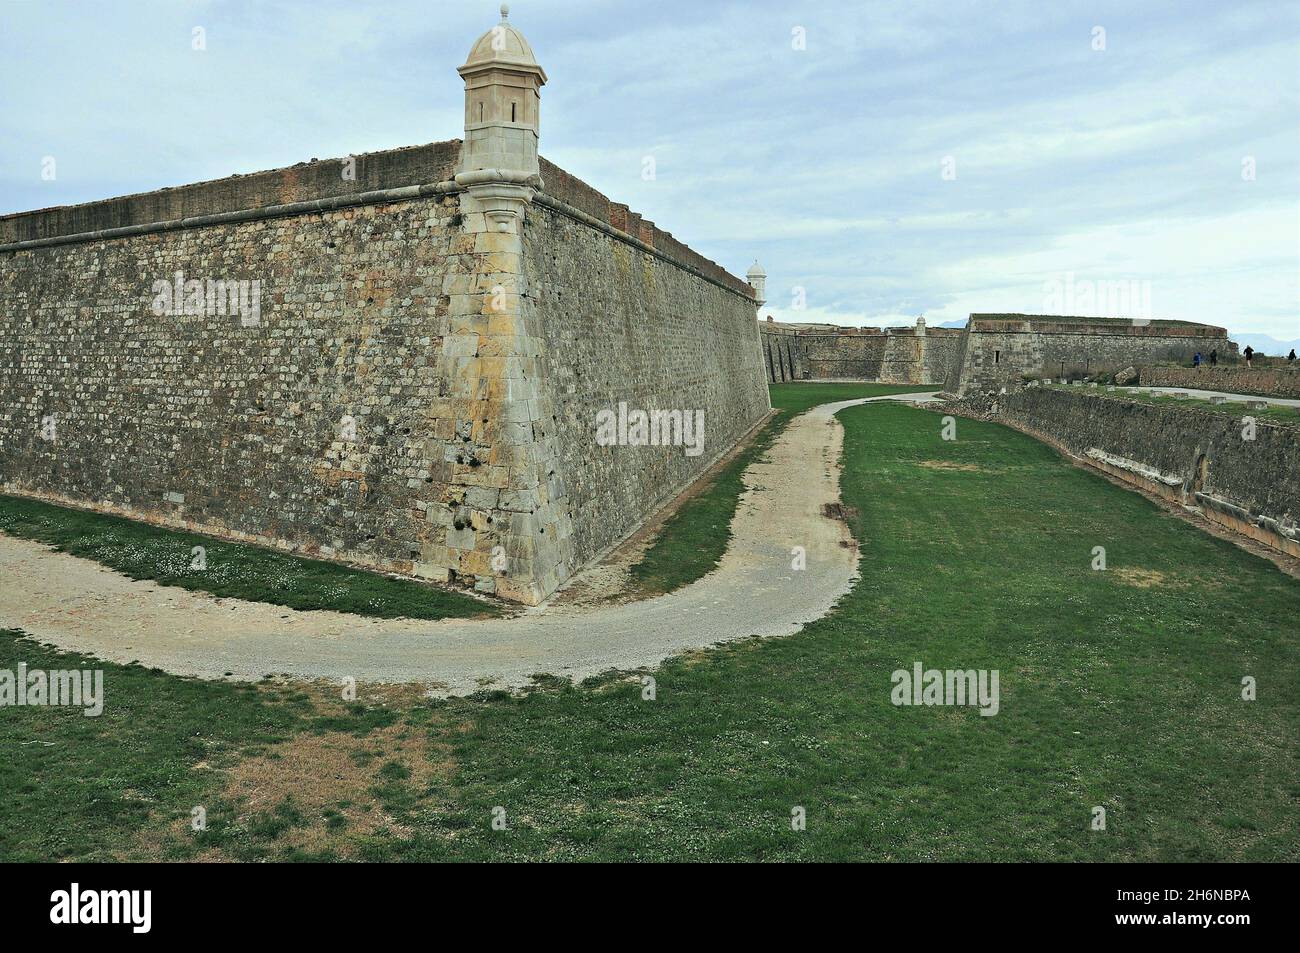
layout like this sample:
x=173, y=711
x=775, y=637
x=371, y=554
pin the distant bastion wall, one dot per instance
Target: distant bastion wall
x=905, y=355
x=1000, y=349
x=783, y=355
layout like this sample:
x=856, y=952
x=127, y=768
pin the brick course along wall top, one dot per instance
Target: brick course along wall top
x=1000, y=349
x=398, y=360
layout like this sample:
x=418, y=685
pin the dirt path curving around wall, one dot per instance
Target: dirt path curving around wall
x=78, y=605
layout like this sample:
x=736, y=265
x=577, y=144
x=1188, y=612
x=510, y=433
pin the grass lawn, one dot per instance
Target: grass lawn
x=1119, y=688
x=694, y=538
x=234, y=570
x=79, y=788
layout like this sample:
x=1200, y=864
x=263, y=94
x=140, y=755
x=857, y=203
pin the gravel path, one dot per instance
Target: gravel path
x=78, y=605
x=1194, y=392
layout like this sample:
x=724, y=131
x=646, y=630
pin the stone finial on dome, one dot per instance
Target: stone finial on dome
x=503, y=45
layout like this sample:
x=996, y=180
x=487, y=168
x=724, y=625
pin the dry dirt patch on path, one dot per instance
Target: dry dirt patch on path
x=77, y=605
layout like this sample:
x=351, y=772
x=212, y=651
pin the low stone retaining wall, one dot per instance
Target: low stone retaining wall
x=1265, y=381
x=1194, y=457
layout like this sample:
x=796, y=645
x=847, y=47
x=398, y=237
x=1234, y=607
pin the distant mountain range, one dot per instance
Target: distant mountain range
x=1265, y=344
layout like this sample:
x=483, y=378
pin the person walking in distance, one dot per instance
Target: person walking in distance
x=1249, y=352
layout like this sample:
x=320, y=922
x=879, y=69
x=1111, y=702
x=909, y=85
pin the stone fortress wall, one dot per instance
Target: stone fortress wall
x=1239, y=379
x=418, y=393
x=903, y=355
x=622, y=324
x=783, y=354
x=991, y=352
x=843, y=356
x=196, y=420
x=941, y=348
x=998, y=350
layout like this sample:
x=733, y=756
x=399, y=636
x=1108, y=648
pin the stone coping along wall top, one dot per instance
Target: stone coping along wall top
x=306, y=181
x=830, y=330
x=1070, y=324
x=325, y=179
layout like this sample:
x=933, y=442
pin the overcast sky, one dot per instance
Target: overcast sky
x=1129, y=163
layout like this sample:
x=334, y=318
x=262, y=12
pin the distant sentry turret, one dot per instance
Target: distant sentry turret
x=757, y=279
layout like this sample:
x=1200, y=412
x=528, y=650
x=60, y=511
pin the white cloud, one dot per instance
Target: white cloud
x=823, y=162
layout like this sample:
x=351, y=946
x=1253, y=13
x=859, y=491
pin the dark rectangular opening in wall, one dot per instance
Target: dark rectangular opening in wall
x=997, y=357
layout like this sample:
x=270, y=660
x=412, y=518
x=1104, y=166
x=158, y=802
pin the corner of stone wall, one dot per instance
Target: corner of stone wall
x=514, y=536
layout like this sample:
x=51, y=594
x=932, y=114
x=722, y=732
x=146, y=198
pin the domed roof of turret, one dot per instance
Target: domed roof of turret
x=502, y=45
x=756, y=271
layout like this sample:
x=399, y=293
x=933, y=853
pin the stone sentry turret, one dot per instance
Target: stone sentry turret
x=757, y=279
x=498, y=165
